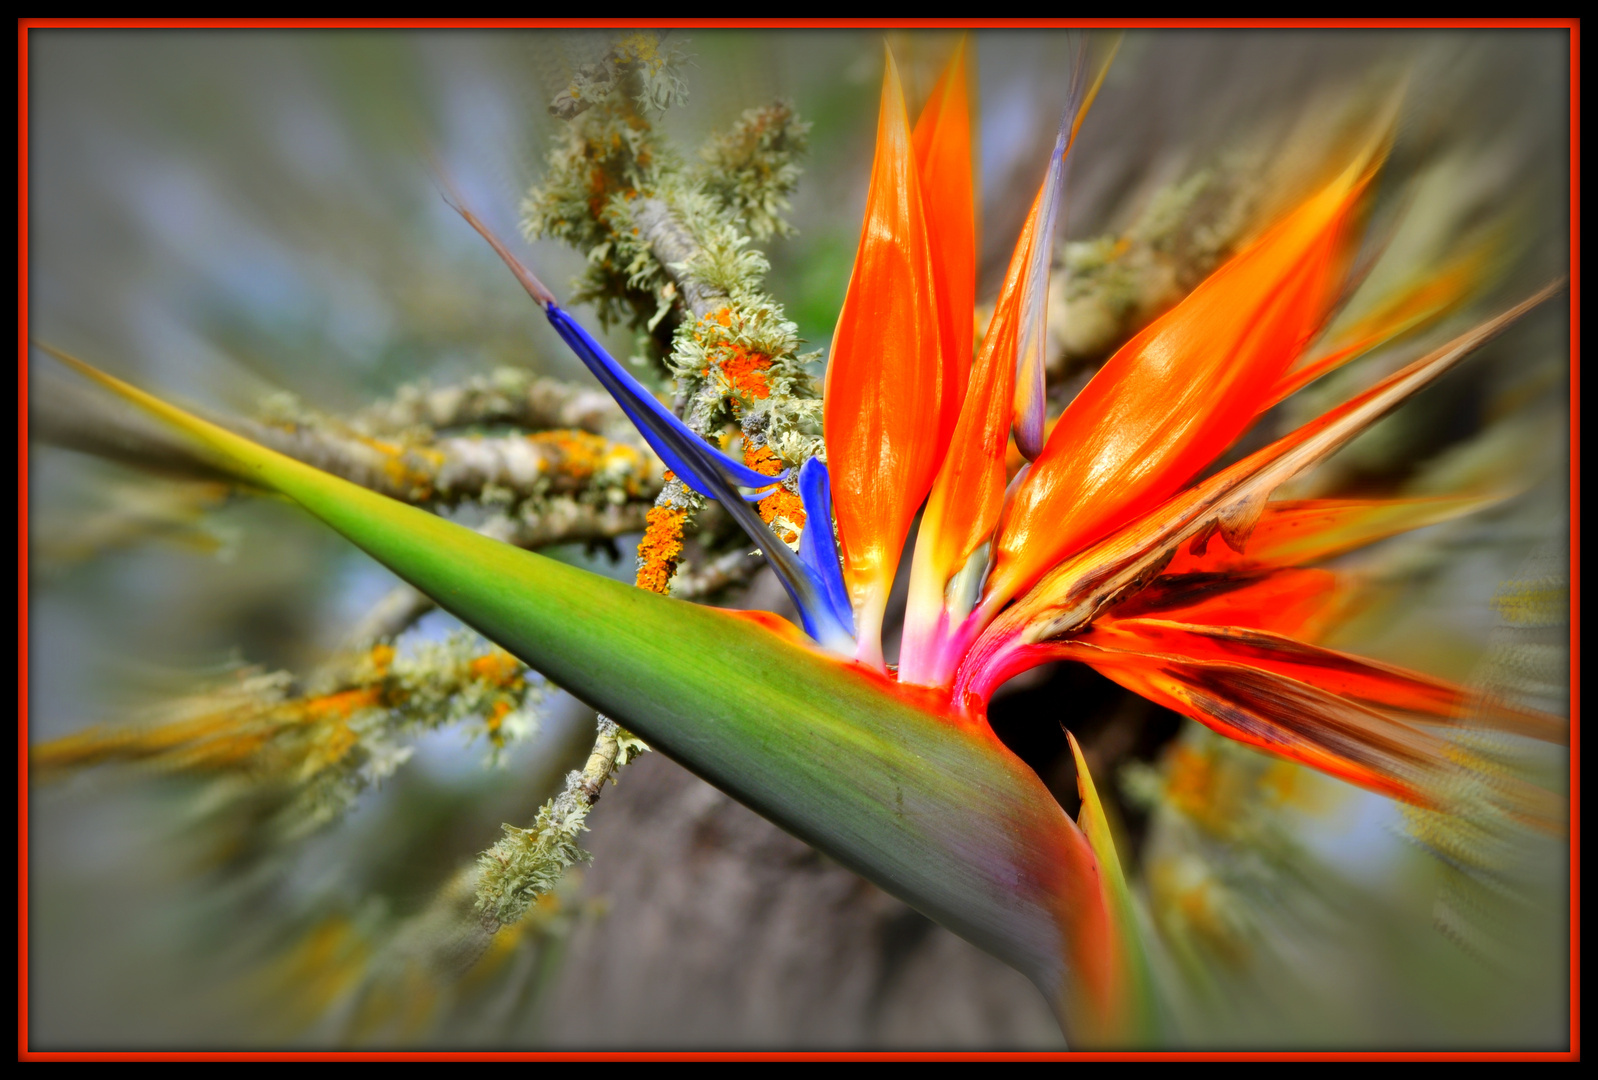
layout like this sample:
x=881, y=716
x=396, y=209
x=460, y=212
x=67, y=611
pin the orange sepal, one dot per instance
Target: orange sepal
x=885, y=380
x=968, y=494
x=1177, y=394
x=942, y=141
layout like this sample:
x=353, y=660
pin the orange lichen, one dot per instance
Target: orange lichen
x=410, y=469
x=580, y=455
x=660, y=548
x=342, y=705
x=781, y=503
x=382, y=658
x=335, y=742
x=498, y=668
x=746, y=372
x=496, y=716
x=577, y=453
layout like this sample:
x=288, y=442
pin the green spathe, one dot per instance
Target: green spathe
x=933, y=810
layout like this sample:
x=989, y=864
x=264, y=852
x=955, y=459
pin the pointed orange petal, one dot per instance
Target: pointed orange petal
x=968, y=494
x=942, y=141
x=885, y=380
x=1301, y=531
x=1181, y=391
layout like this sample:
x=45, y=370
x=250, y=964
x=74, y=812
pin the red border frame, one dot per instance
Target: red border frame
x=24, y=1053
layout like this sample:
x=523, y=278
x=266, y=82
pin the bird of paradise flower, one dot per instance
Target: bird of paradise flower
x=1102, y=549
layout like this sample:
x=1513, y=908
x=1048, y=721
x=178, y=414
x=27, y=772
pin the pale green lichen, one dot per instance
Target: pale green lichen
x=318, y=746
x=527, y=863
x=753, y=168
x=668, y=254
x=608, y=164
x=640, y=64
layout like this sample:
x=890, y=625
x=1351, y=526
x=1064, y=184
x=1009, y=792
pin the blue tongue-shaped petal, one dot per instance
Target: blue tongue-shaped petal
x=716, y=476
x=818, y=549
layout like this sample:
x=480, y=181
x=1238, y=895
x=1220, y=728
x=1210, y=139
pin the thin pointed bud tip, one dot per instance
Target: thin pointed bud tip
x=1031, y=403
x=1092, y=91
x=529, y=281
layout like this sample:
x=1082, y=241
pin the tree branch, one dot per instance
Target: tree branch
x=507, y=396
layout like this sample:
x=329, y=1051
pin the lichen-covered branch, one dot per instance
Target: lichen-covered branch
x=527, y=863
x=325, y=742
x=551, y=487
x=727, y=571
x=452, y=469
x=507, y=468
x=508, y=396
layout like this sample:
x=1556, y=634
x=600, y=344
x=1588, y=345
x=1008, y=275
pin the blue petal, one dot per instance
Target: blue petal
x=685, y=453
x=698, y=464
x=817, y=548
x=809, y=594
x=716, y=476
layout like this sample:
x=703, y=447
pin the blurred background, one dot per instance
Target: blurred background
x=232, y=217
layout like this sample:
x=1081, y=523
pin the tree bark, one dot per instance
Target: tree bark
x=721, y=931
